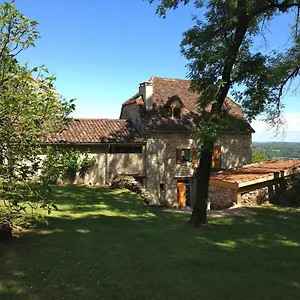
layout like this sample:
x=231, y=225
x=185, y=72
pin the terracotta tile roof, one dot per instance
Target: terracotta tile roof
x=155, y=121
x=166, y=88
x=97, y=131
x=258, y=172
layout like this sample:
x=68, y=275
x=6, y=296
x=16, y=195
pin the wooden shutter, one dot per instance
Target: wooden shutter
x=181, y=193
x=216, y=157
x=178, y=156
x=194, y=157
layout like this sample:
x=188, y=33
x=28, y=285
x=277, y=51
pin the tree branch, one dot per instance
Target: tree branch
x=293, y=74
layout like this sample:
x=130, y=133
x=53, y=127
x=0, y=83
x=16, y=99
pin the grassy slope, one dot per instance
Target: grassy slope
x=104, y=244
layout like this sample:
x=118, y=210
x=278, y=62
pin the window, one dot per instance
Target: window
x=176, y=112
x=125, y=149
x=185, y=156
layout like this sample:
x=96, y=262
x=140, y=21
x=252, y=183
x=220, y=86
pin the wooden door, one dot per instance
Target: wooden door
x=181, y=193
x=216, y=157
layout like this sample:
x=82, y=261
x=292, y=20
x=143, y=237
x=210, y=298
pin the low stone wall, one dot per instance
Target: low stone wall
x=257, y=196
x=221, y=198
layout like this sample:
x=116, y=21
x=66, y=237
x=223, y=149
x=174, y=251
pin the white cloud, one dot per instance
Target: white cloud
x=290, y=132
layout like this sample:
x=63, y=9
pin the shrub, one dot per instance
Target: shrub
x=259, y=157
x=65, y=164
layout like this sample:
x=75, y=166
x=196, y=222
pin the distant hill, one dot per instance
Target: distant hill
x=278, y=150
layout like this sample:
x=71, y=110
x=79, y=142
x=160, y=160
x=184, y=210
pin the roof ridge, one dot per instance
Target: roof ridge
x=97, y=119
x=167, y=78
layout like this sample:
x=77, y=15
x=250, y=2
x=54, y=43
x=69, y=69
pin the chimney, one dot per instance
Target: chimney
x=146, y=91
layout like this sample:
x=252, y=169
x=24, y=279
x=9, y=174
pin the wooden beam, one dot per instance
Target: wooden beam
x=270, y=177
x=238, y=198
x=224, y=184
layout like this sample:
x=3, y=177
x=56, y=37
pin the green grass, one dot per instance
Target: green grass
x=105, y=244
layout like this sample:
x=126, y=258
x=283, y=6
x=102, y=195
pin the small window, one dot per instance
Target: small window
x=185, y=156
x=125, y=149
x=162, y=187
x=176, y=112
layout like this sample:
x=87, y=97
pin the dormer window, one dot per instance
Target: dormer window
x=175, y=105
x=176, y=112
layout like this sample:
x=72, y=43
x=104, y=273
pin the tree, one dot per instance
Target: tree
x=221, y=57
x=31, y=110
x=259, y=157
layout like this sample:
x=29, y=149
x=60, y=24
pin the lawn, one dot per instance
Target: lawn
x=105, y=244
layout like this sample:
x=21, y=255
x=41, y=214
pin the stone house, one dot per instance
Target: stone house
x=164, y=112
x=152, y=140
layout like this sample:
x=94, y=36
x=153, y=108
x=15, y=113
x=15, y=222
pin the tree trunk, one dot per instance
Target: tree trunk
x=199, y=214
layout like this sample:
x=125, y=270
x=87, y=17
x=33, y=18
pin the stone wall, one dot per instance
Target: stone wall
x=271, y=191
x=131, y=112
x=108, y=165
x=236, y=150
x=125, y=163
x=161, y=168
x=255, y=197
x=220, y=198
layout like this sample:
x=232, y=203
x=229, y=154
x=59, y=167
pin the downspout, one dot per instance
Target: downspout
x=105, y=170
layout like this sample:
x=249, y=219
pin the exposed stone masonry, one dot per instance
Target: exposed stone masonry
x=220, y=198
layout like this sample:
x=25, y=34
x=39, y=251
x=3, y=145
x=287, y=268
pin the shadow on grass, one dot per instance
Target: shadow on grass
x=106, y=244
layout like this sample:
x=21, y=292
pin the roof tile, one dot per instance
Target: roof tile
x=97, y=131
x=164, y=89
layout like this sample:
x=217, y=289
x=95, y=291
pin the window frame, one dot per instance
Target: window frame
x=178, y=108
x=192, y=156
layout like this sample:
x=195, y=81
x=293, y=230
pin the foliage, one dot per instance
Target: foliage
x=278, y=150
x=259, y=157
x=221, y=55
x=222, y=58
x=112, y=244
x=85, y=164
x=65, y=163
x=31, y=110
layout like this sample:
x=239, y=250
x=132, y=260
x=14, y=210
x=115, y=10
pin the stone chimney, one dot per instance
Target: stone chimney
x=146, y=91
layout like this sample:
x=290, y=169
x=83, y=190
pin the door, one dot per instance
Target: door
x=181, y=193
x=216, y=157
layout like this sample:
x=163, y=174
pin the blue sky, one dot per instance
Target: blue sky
x=101, y=50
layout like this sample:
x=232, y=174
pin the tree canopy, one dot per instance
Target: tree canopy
x=222, y=58
x=31, y=109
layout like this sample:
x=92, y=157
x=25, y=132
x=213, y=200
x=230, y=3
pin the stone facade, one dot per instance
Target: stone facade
x=271, y=191
x=257, y=196
x=108, y=165
x=156, y=166
x=131, y=112
x=236, y=150
x=162, y=172
x=220, y=198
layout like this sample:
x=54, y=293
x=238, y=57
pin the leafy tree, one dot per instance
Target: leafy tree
x=221, y=57
x=31, y=110
x=65, y=164
x=259, y=157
